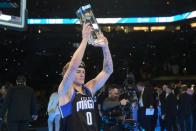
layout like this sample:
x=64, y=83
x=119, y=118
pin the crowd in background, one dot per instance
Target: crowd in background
x=172, y=106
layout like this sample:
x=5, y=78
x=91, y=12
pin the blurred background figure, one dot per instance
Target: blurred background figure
x=3, y=93
x=147, y=102
x=131, y=94
x=169, y=113
x=185, y=107
x=113, y=109
x=162, y=100
x=53, y=111
x=20, y=105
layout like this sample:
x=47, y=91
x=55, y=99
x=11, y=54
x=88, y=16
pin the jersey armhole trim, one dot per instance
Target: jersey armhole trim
x=66, y=110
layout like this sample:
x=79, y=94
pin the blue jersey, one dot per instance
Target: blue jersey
x=80, y=114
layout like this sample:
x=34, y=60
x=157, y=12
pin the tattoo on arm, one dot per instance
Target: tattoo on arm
x=107, y=62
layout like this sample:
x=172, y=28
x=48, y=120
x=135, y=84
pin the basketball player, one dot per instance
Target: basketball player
x=76, y=98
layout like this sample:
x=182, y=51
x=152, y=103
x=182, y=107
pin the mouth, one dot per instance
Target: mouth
x=82, y=79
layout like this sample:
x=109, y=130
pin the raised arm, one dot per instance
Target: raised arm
x=69, y=75
x=96, y=83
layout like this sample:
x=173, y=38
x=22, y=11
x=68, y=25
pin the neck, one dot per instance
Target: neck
x=78, y=88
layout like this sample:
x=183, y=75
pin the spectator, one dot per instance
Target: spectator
x=20, y=103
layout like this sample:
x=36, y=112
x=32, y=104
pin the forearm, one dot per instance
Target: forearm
x=79, y=53
x=110, y=104
x=74, y=63
x=107, y=62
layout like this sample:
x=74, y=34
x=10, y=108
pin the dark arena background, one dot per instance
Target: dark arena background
x=150, y=40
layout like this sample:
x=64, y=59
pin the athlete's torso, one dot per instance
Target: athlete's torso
x=83, y=114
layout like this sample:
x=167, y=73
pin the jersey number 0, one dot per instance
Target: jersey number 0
x=89, y=118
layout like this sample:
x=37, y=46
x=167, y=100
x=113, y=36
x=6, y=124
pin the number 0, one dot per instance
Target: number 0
x=89, y=118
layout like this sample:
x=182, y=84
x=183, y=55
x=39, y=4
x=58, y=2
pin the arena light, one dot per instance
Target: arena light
x=53, y=21
x=155, y=28
x=140, y=28
x=193, y=25
x=178, y=27
x=108, y=20
x=192, y=15
x=119, y=20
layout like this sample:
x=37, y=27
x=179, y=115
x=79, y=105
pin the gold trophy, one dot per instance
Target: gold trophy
x=86, y=15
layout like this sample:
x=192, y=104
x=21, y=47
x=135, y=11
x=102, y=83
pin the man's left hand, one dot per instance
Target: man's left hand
x=103, y=42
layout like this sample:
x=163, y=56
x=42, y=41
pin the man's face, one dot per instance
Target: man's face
x=164, y=87
x=140, y=88
x=114, y=93
x=168, y=90
x=3, y=90
x=80, y=76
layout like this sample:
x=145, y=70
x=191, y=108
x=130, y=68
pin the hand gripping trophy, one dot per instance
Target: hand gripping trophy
x=86, y=15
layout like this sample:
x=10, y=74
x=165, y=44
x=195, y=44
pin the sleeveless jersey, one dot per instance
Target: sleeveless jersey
x=79, y=114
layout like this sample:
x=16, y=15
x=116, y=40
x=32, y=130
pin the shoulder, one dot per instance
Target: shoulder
x=67, y=97
x=87, y=91
x=55, y=94
x=29, y=90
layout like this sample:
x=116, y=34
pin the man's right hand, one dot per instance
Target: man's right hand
x=86, y=31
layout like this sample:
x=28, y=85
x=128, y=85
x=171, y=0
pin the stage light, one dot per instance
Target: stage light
x=154, y=28
x=168, y=3
x=139, y=28
x=178, y=27
x=107, y=29
x=117, y=20
x=39, y=31
x=193, y=25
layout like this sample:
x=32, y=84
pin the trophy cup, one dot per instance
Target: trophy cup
x=86, y=15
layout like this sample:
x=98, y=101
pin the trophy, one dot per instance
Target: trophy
x=86, y=15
